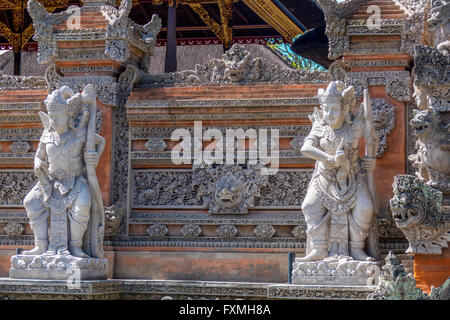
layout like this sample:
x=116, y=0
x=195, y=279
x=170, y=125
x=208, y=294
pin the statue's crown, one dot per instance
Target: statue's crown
x=57, y=100
x=333, y=93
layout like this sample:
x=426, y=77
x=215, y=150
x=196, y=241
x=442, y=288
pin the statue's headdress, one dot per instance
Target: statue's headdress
x=337, y=92
x=57, y=100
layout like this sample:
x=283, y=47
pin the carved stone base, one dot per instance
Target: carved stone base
x=336, y=273
x=58, y=267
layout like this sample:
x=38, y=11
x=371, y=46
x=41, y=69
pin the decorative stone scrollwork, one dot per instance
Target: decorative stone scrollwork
x=13, y=229
x=227, y=231
x=299, y=232
x=191, y=230
x=264, y=231
x=432, y=160
x=118, y=31
x=297, y=143
x=113, y=217
x=8, y=82
x=432, y=72
x=228, y=189
x=14, y=186
x=20, y=147
x=337, y=70
x=157, y=231
x=236, y=65
x=384, y=121
x=155, y=144
x=417, y=211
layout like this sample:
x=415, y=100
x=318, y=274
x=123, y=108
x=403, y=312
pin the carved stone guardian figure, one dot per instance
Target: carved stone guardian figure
x=339, y=188
x=340, y=202
x=420, y=206
x=65, y=207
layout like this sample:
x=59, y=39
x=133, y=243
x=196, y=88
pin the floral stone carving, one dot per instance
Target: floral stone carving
x=342, y=272
x=417, y=211
x=264, y=231
x=191, y=230
x=13, y=229
x=227, y=231
x=157, y=231
x=228, y=189
x=384, y=121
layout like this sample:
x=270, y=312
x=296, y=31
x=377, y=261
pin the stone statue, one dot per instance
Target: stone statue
x=432, y=160
x=68, y=152
x=340, y=201
x=440, y=21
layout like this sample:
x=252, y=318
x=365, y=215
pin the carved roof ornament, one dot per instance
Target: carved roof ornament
x=119, y=34
x=236, y=66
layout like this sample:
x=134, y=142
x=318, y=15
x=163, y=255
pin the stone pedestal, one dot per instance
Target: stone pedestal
x=336, y=273
x=58, y=267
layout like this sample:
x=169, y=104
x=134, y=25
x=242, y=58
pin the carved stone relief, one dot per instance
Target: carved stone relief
x=384, y=121
x=157, y=231
x=236, y=65
x=228, y=189
x=264, y=231
x=227, y=231
x=13, y=229
x=14, y=187
x=417, y=211
x=191, y=230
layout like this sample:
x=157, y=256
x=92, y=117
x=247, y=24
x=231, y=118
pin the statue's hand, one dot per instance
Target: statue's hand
x=340, y=158
x=368, y=163
x=91, y=158
x=47, y=188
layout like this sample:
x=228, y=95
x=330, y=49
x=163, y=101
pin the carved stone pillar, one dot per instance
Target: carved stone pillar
x=100, y=45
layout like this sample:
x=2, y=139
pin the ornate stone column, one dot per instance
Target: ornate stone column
x=98, y=44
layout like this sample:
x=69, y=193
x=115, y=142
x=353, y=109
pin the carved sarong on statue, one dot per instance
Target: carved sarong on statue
x=65, y=206
x=340, y=203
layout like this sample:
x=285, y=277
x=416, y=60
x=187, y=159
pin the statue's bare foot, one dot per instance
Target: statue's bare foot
x=36, y=250
x=50, y=252
x=77, y=252
x=359, y=254
x=314, y=255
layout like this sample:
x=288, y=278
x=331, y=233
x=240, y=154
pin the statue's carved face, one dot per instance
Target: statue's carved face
x=229, y=191
x=422, y=123
x=58, y=120
x=406, y=209
x=333, y=114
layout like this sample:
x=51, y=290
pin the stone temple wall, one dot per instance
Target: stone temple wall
x=164, y=220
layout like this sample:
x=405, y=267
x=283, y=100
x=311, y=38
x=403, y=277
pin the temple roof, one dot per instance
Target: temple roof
x=250, y=18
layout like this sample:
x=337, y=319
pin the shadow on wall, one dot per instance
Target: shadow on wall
x=28, y=66
x=187, y=56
